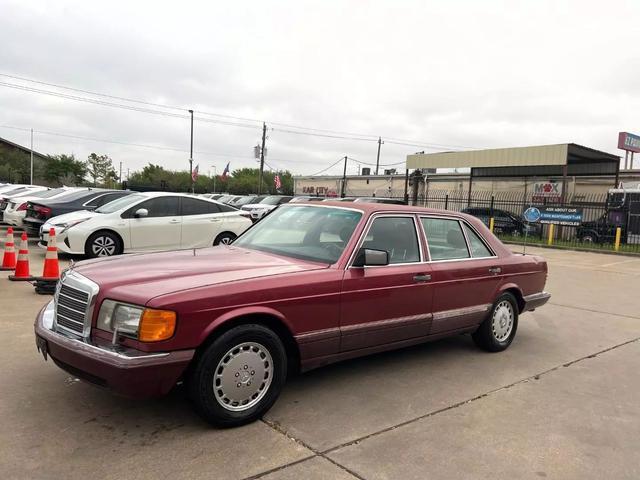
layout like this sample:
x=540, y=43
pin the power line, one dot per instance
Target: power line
x=325, y=169
x=324, y=132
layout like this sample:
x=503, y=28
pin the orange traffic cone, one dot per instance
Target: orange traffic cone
x=9, y=257
x=22, y=266
x=51, y=269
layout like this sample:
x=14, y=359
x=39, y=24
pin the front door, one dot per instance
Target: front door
x=391, y=303
x=465, y=274
x=160, y=229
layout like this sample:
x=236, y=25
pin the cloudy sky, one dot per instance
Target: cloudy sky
x=438, y=75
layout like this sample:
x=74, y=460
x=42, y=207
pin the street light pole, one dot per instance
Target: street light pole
x=31, y=181
x=193, y=186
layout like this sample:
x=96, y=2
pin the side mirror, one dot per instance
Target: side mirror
x=141, y=213
x=368, y=257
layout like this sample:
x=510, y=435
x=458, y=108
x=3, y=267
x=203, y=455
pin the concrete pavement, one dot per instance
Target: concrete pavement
x=561, y=402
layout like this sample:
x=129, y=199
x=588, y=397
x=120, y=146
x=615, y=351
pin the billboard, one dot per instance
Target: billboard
x=561, y=216
x=629, y=142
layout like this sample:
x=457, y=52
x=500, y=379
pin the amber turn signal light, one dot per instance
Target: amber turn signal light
x=156, y=325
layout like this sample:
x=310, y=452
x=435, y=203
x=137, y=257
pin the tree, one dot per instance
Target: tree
x=64, y=170
x=100, y=169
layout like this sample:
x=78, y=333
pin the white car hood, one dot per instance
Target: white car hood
x=68, y=217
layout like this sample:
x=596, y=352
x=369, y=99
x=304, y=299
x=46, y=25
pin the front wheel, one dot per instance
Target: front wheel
x=225, y=238
x=239, y=376
x=103, y=244
x=499, y=328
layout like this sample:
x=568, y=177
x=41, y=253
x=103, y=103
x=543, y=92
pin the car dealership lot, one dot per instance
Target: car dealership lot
x=561, y=402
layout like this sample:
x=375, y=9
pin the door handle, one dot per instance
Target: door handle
x=174, y=221
x=422, y=277
x=214, y=219
x=495, y=270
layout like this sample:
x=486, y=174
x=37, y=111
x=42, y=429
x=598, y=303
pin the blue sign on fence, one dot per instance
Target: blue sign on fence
x=561, y=216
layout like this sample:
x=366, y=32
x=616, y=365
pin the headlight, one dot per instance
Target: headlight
x=144, y=324
x=67, y=225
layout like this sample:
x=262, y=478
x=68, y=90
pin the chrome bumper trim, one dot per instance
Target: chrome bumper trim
x=535, y=300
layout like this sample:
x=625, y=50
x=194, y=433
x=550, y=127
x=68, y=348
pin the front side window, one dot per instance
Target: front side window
x=310, y=233
x=158, y=207
x=191, y=206
x=445, y=238
x=478, y=248
x=119, y=204
x=397, y=236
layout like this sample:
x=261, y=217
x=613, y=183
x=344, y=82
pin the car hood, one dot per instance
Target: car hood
x=258, y=205
x=69, y=217
x=140, y=278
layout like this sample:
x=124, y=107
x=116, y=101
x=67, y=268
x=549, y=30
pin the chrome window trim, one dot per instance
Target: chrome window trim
x=366, y=229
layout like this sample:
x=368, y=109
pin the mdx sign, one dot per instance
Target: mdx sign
x=629, y=142
x=547, y=190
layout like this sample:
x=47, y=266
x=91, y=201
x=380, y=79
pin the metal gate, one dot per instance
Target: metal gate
x=633, y=223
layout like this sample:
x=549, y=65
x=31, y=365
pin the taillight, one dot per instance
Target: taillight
x=42, y=210
x=22, y=207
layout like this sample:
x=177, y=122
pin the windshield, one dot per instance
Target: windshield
x=272, y=200
x=120, y=203
x=306, y=232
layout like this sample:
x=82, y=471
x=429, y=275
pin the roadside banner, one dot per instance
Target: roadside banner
x=568, y=216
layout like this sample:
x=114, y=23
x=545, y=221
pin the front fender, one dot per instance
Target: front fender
x=243, y=312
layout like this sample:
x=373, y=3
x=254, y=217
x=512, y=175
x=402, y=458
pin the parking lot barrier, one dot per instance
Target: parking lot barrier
x=22, y=266
x=9, y=257
x=491, y=224
x=616, y=246
x=550, y=237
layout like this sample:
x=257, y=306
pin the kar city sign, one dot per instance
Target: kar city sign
x=629, y=142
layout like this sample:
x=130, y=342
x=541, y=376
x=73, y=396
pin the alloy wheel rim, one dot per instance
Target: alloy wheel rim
x=103, y=247
x=502, y=321
x=243, y=376
x=226, y=240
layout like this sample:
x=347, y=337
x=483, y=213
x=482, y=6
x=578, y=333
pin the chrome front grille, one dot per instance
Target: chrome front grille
x=74, y=301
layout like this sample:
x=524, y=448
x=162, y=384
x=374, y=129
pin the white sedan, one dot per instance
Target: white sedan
x=144, y=222
x=16, y=207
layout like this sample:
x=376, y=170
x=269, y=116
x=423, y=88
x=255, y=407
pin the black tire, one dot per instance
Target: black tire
x=209, y=372
x=225, y=238
x=103, y=244
x=492, y=335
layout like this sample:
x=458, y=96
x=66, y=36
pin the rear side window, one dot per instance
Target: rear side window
x=478, y=247
x=106, y=198
x=445, y=238
x=192, y=206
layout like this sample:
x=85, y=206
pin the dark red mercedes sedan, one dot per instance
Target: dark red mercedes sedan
x=308, y=285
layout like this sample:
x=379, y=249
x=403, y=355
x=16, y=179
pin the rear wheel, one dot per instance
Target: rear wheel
x=103, y=244
x=499, y=328
x=225, y=238
x=239, y=376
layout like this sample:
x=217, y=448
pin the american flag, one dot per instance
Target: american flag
x=277, y=181
x=194, y=174
x=225, y=173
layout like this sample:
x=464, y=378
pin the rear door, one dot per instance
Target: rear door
x=465, y=273
x=201, y=223
x=390, y=303
x=160, y=229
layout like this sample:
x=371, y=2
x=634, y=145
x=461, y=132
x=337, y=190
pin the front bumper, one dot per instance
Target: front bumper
x=126, y=371
x=531, y=302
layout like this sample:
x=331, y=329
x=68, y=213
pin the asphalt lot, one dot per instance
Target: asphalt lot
x=561, y=402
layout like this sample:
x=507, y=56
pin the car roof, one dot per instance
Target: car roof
x=380, y=207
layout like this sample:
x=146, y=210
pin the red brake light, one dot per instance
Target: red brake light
x=22, y=207
x=42, y=210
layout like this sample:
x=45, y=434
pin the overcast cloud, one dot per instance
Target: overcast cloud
x=454, y=73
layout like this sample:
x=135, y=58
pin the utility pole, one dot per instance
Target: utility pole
x=193, y=186
x=120, y=174
x=344, y=178
x=380, y=142
x=31, y=181
x=264, y=139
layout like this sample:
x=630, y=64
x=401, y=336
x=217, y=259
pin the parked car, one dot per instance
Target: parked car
x=228, y=198
x=15, y=208
x=260, y=209
x=19, y=190
x=504, y=222
x=393, y=201
x=304, y=198
x=307, y=286
x=212, y=196
x=83, y=199
x=149, y=221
